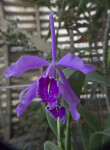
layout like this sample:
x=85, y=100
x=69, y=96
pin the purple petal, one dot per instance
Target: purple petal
x=20, y=109
x=48, y=90
x=51, y=71
x=67, y=86
x=30, y=95
x=25, y=63
x=74, y=62
x=68, y=95
x=53, y=37
x=57, y=111
x=74, y=112
x=22, y=92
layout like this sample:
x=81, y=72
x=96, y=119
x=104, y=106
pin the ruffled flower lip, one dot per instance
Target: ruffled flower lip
x=57, y=111
x=48, y=90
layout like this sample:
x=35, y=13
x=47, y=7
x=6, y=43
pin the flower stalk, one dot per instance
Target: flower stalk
x=60, y=144
x=67, y=133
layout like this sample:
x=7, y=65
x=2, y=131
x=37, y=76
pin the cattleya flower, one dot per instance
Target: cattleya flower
x=47, y=87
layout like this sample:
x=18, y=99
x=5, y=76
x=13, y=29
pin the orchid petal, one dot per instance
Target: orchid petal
x=25, y=63
x=51, y=71
x=20, y=109
x=22, y=92
x=30, y=95
x=68, y=95
x=74, y=62
x=53, y=37
x=66, y=84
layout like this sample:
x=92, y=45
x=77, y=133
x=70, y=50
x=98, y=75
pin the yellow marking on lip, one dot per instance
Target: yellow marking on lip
x=49, y=86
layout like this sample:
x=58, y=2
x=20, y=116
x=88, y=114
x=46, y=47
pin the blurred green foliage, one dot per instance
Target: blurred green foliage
x=13, y=37
x=70, y=13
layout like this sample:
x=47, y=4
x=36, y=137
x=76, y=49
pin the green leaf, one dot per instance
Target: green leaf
x=98, y=77
x=108, y=63
x=89, y=118
x=108, y=4
x=50, y=146
x=95, y=141
x=108, y=60
x=85, y=134
x=52, y=123
x=76, y=81
x=68, y=72
x=105, y=132
x=96, y=138
x=67, y=132
x=83, y=3
x=107, y=125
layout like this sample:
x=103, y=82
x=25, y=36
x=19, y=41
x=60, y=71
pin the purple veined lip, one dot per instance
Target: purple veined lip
x=57, y=111
x=48, y=90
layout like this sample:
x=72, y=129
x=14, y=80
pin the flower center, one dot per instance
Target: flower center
x=53, y=63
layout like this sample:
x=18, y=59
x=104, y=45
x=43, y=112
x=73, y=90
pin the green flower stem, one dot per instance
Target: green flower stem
x=60, y=144
x=67, y=133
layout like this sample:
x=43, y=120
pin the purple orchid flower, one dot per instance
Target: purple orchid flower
x=47, y=87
